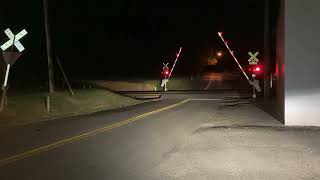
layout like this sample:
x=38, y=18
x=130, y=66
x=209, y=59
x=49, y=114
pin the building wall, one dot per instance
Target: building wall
x=279, y=72
x=302, y=62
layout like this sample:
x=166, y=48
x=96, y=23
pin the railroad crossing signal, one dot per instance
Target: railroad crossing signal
x=165, y=73
x=14, y=40
x=253, y=58
x=10, y=58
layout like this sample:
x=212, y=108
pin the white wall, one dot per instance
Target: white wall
x=302, y=62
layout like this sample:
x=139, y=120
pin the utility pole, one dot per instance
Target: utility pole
x=49, y=50
x=267, y=64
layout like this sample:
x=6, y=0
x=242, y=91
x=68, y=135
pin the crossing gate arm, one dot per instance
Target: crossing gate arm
x=234, y=57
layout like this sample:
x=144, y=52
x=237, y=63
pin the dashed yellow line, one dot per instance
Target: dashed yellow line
x=48, y=147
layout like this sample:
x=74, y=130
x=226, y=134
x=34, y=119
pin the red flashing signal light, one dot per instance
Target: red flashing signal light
x=165, y=72
x=257, y=69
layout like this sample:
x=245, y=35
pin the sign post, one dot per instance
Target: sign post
x=10, y=58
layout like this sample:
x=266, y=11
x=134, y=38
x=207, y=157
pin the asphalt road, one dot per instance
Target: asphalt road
x=118, y=144
x=186, y=135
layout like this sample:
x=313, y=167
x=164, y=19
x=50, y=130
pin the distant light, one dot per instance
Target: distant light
x=166, y=72
x=219, y=54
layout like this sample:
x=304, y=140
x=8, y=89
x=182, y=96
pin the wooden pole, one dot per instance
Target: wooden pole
x=49, y=50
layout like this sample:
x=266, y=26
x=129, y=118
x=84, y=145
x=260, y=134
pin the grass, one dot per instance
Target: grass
x=28, y=108
x=121, y=85
x=147, y=85
x=177, y=84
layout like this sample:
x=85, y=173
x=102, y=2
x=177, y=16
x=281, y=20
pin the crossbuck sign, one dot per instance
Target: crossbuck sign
x=165, y=66
x=253, y=58
x=14, y=40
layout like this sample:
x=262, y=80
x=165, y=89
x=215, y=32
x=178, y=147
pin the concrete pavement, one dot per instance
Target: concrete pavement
x=244, y=153
x=244, y=143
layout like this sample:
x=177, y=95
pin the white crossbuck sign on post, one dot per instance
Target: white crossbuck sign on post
x=253, y=58
x=14, y=40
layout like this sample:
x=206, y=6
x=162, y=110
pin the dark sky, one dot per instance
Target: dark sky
x=99, y=39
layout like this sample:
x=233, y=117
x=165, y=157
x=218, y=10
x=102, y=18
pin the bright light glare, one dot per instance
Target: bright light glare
x=219, y=54
x=257, y=69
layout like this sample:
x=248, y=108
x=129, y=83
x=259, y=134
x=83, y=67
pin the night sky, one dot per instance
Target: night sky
x=103, y=39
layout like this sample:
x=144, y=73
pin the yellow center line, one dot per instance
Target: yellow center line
x=48, y=147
